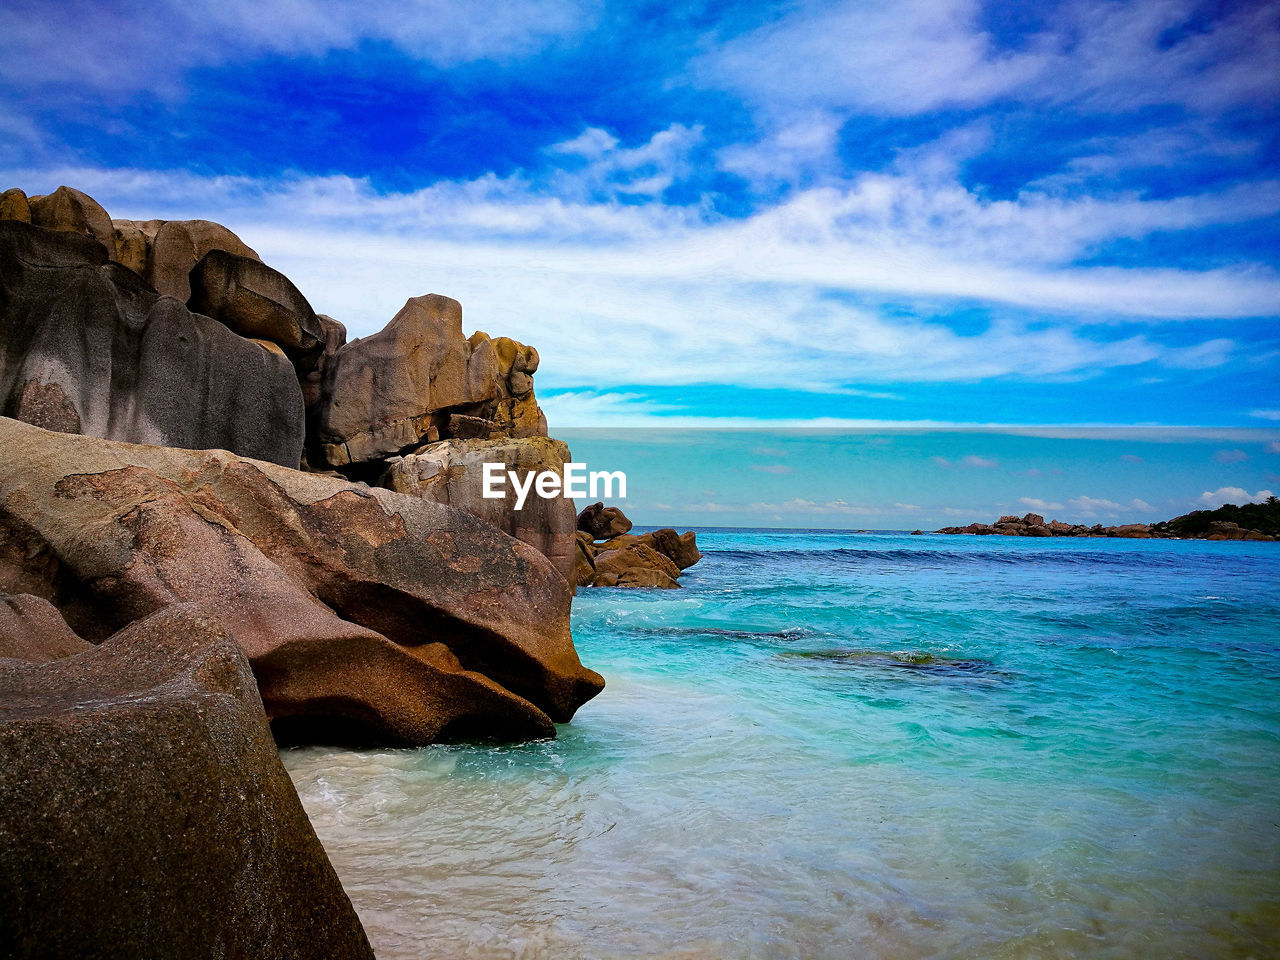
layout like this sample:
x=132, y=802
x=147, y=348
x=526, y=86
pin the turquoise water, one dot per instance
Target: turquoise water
x=836, y=745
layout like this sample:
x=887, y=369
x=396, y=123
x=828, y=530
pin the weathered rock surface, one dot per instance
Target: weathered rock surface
x=634, y=565
x=394, y=390
x=164, y=252
x=87, y=347
x=31, y=628
x=364, y=612
x=603, y=522
x=144, y=810
x=451, y=472
x=259, y=303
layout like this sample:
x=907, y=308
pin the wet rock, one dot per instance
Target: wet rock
x=144, y=810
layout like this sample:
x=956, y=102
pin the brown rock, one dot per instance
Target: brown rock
x=364, y=612
x=144, y=809
x=177, y=247
x=584, y=560
x=384, y=393
x=635, y=564
x=31, y=628
x=14, y=206
x=603, y=523
x=451, y=472
x=257, y=302
x=71, y=211
x=87, y=347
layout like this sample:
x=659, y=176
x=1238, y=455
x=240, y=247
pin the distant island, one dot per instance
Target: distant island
x=1252, y=521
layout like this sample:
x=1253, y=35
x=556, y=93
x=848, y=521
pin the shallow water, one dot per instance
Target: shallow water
x=835, y=745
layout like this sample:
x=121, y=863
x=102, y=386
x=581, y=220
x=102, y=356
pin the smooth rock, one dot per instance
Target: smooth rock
x=87, y=347
x=71, y=211
x=144, y=811
x=14, y=205
x=365, y=613
x=177, y=247
x=257, y=302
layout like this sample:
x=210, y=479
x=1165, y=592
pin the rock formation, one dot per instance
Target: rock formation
x=144, y=810
x=654, y=559
x=451, y=472
x=364, y=612
x=86, y=346
x=404, y=386
x=1033, y=525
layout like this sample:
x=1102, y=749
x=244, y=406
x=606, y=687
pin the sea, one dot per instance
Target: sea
x=845, y=745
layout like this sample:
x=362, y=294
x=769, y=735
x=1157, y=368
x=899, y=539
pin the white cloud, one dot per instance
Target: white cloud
x=1265, y=414
x=979, y=463
x=1230, y=456
x=785, y=298
x=1236, y=495
x=1273, y=446
x=1131, y=458
x=1037, y=504
x=1096, y=507
x=81, y=42
x=904, y=57
x=772, y=468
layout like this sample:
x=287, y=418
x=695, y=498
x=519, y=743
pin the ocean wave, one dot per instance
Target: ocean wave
x=965, y=558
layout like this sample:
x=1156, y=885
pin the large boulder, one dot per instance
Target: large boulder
x=257, y=302
x=395, y=390
x=71, y=211
x=515, y=411
x=87, y=347
x=452, y=472
x=603, y=523
x=174, y=247
x=365, y=613
x=144, y=810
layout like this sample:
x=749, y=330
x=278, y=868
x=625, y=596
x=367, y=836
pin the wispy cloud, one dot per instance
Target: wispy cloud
x=1236, y=495
x=79, y=42
x=1230, y=456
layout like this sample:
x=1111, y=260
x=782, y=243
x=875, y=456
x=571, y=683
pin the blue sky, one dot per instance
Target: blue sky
x=919, y=212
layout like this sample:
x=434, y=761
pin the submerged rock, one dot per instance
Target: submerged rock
x=364, y=612
x=144, y=810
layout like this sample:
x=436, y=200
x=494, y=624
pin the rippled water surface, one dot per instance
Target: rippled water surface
x=836, y=745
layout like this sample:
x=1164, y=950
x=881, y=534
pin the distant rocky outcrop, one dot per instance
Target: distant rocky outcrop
x=1196, y=525
x=144, y=810
x=654, y=559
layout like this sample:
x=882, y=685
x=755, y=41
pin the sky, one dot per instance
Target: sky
x=945, y=223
